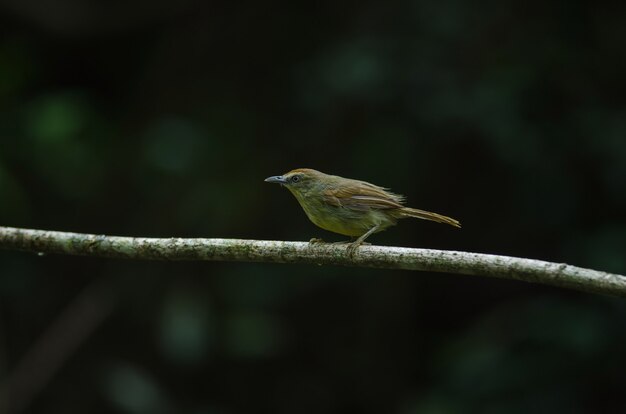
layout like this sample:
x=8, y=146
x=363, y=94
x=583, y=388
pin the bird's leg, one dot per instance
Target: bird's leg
x=355, y=244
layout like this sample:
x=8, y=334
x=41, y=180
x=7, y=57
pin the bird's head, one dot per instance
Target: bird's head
x=298, y=181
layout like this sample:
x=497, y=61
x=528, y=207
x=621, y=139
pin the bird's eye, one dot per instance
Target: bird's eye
x=295, y=178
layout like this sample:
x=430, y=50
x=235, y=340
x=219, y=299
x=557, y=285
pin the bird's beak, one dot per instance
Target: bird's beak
x=276, y=179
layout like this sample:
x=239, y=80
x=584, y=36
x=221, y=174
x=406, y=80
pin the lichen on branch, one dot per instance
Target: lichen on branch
x=237, y=250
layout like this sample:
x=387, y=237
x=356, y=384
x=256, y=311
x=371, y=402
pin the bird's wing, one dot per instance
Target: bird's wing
x=360, y=195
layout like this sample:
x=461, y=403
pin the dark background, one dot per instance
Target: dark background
x=163, y=118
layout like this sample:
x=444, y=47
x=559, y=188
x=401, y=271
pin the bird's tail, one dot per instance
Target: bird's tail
x=427, y=215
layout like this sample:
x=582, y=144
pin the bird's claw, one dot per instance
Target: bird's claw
x=352, y=248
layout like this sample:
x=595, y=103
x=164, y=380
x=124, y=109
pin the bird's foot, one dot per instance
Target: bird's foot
x=316, y=241
x=353, y=246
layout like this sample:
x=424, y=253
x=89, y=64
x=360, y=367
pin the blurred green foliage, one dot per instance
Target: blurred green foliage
x=163, y=118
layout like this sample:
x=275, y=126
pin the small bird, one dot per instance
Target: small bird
x=350, y=207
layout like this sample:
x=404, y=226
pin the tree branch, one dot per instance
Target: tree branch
x=528, y=270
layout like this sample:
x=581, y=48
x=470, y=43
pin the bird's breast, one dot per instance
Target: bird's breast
x=342, y=220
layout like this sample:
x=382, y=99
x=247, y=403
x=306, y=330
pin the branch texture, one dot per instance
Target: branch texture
x=235, y=250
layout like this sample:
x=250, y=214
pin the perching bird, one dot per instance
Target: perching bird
x=349, y=207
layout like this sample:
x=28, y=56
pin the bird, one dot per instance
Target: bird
x=349, y=207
